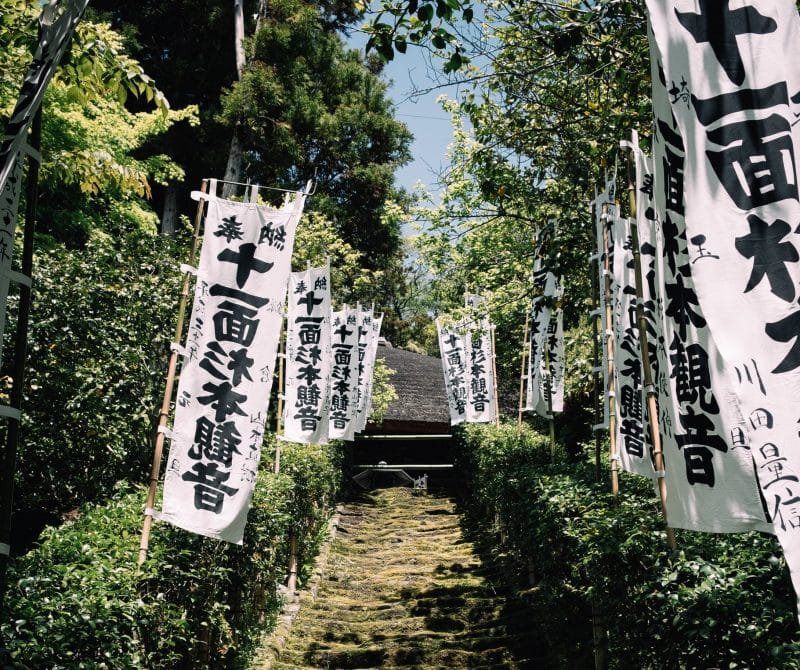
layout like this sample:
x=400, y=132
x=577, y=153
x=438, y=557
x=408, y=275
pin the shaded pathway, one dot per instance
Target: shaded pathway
x=403, y=588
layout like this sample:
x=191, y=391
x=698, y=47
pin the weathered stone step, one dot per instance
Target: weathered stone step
x=403, y=587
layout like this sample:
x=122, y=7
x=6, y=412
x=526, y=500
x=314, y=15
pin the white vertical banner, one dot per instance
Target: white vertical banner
x=604, y=212
x=632, y=446
x=9, y=204
x=650, y=254
x=711, y=482
x=733, y=75
x=541, y=308
x=365, y=317
x=308, y=357
x=368, y=364
x=344, y=374
x=454, y=368
x=553, y=391
x=479, y=368
x=225, y=381
x=55, y=38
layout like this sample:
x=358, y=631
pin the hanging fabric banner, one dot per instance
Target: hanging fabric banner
x=734, y=101
x=308, y=357
x=56, y=33
x=479, y=370
x=710, y=479
x=226, y=378
x=553, y=390
x=55, y=38
x=541, y=308
x=368, y=364
x=365, y=317
x=650, y=248
x=344, y=374
x=604, y=212
x=634, y=453
x=454, y=368
x=9, y=204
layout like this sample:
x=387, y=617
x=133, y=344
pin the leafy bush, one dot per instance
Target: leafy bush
x=719, y=601
x=98, y=346
x=79, y=601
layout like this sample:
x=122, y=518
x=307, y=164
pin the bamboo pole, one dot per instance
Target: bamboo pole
x=158, y=447
x=612, y=419
x=598, y=409
x=494, y=381
x=523, y=375
x=548, y=381
x=644, y=346
x=281, y=391
x=291, y=582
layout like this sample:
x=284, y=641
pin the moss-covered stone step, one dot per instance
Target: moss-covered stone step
x=403, y=587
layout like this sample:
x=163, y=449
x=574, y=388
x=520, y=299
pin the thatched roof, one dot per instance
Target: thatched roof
x=421, y=406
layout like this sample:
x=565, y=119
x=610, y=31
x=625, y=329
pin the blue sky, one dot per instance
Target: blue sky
x=426, y=120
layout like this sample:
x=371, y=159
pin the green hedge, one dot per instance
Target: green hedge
x=720, y=601
x=78, y=600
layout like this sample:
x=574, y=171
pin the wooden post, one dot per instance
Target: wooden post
x=523, y=373
x=612, y=420
x=158, y=447
x=644, y=347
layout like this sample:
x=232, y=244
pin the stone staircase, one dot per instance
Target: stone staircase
x=402, y=587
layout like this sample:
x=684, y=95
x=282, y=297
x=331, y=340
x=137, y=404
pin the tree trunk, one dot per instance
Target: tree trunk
x=238, y=35
x=169, y=215
x=233, y=170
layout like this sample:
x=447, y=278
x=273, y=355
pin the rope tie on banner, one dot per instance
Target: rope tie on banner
x=650, y=389
x=5, y=549
x=149, y=511
x=660, y=474
x=188, y=269
x=164, y=430
x=598, y=427
x=614, y=457
x=179, y=349
x=19, y=278
x=10, y=412
x=32, y=153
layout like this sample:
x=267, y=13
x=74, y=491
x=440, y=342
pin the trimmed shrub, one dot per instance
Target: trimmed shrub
x=719, y=601
x=79, y=600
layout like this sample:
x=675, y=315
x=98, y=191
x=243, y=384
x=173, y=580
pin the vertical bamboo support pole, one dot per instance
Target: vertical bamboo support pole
x=281, y=390
x=644, y=346
x=548, y=380
x=598, y=409
x=523, y=374
x=158, y=447
x=612, y=420
x=494, y=381
x=291, y=582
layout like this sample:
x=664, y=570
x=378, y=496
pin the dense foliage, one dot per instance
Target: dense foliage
x=719, y=601
x=98, y=347
x=79, y=601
